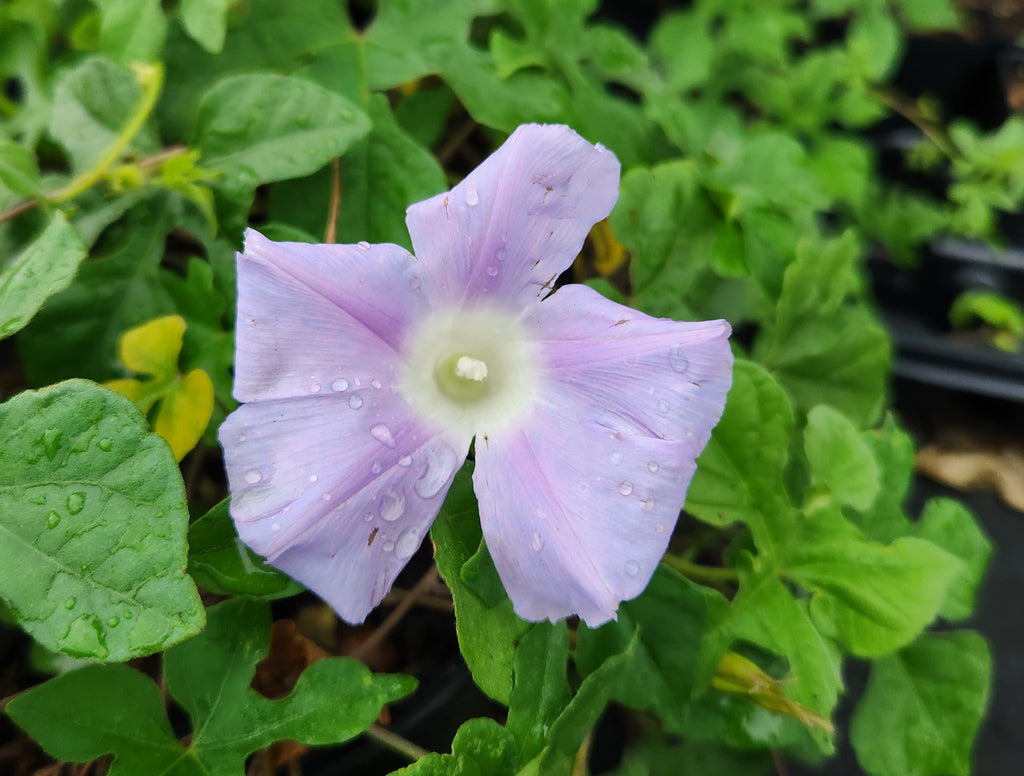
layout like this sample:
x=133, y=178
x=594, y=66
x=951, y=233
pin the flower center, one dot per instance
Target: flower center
x=470, y=370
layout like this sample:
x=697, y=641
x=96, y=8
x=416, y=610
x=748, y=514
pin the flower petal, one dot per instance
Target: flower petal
x=578, y=503
x=311, y=317
x=517, y=221
x=337, y=494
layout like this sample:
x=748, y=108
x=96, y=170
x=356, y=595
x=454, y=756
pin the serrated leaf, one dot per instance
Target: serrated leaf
x=937, y=687
x=19, y=172
x=221, y=562
x=260, y=128
x=43, y=269
x=839, y=459
x=93, y=537
x=873, y=598
x=487, y=631
x=333, y=700
x=950, y=525
x=740, y=473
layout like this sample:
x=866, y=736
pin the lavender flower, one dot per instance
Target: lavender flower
x=366, y=373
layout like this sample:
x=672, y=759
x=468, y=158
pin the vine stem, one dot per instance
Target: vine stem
x=909, y=109
x=331, y=232
x=375, y=638
x=150, y=79
x=395, y=742
x=698, y=572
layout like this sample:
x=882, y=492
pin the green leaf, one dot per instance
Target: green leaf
x=663, y=631
x=19, y=172
x=333, y=700
x=94, y=535
x=893, y=451
x=840, y=460
x=682, y=46
x=131, y=30
x=949, y=525
x=927, y=15
x=260, y=128
x=540, y=688
x=205, y=21
x=91, y=104
x=488, y=631
x=76, y=332
x=875, y=599
x=381, y=176
x=665, y=221
x=481, y=747
x=938, y=688
x=740, y=473
x=656, y=756
x=220, y=562
x=874, y=43
x=65, y=713
x=44, y=268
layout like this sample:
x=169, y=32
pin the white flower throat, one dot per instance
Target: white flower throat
x=471, y=370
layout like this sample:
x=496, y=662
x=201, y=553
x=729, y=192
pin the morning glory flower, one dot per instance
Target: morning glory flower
x=366, y=372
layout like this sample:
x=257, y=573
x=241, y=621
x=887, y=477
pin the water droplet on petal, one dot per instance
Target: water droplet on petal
x=76, y=503
x=625, y=487
x=407, y=544
x=501, y=254
x=582, y=487
x=375, y=467
x=414, y=284
x=242, y=437
x=314, y=387
x=677, y=360
x=632, y=568
x=392, y=505
x=275, y=527
x=363, y=245
x=339, y=385
x=615, y=458
x=652, y=467
x=441, y=464
x=313, y=478
x=326, y=496
x=663, y=407
x=659, y=528
x=492, y=271
x=472, y=196
x=405, y=460
x=368, y=517
x=382, y=434
x=375, y=383
x=388, y=546
x=52, y=519
x=355, y=402
x=536, y=541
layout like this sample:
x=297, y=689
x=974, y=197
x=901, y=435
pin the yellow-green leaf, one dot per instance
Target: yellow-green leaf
x=185, y=411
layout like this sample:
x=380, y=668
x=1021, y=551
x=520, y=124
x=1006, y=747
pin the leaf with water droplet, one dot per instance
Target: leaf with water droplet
x=210, y=676
x=78, y=515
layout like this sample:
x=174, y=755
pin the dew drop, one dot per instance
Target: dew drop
x=625, y=487
x=652, y=467
x=632, y=568
x=392, y=505
x=375, y=383
x=536, y=541
x=663, y=407
x=375, y=467
x=368, y=517
x=52, y=519
x=615, y=458
x=677, y=360
x=339, y=385
x=441, y=464
x=407, y=544
x=492, y=271
x=414, y=284
x=76, y=503
x=128, y=615
x=582, y=487
x=659, y=528
x=355, y=402
x=405, y=460
x=70, y=603
x=326, y=496
x=472, y=197
x=105, y=444
x=113, y=622
x=501, y=254
x=388, y=546
x=314, y=387
x=313, y=478
x=275, y=527
x=382, y=434
x=242, y=437
x=363, y=245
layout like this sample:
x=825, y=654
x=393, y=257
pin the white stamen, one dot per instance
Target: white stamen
x=469, y=368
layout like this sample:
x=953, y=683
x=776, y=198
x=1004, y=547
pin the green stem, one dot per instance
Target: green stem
x=699, y=573
x=395, y=742
x=929, y=126
x=151, y=79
